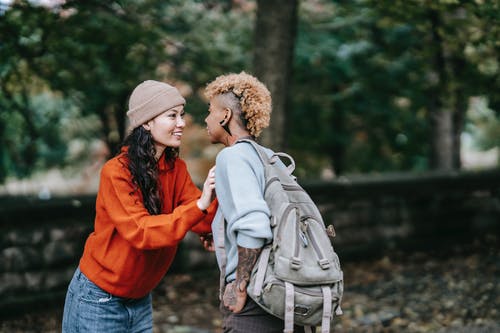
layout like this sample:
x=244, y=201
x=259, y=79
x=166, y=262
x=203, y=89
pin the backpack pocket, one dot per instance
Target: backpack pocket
x=308, y=257
x=308, y=301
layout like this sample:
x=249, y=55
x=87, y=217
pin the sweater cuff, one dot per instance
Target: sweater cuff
x=196, y=213
x=249, y=242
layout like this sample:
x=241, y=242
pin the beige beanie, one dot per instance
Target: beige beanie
x=151, y=98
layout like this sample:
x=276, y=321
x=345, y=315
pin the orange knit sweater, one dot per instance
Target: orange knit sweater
x=130, y=250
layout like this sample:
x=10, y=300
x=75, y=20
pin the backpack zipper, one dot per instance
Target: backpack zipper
x=286, y=187
x=292, y=187
x=284, y=216
x=322, y=261
x=307, y=291
x=301, y=235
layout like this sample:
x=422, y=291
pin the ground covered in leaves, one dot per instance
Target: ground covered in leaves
x=448, y=290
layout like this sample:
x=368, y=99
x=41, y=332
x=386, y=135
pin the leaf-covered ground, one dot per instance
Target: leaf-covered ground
x=446, y=290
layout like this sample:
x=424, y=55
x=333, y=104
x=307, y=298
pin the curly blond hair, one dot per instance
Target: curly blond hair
x=254, y=98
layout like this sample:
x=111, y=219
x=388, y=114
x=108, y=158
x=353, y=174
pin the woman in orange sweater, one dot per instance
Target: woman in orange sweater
x=146, y=204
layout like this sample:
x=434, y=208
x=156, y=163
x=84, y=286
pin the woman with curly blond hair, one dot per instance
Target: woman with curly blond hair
x=240, y=108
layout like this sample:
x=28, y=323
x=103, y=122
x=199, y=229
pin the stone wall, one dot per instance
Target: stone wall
x=41, y=241
x=407, y=211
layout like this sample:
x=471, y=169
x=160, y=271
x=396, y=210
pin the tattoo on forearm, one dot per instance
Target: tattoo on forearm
x=246, y=260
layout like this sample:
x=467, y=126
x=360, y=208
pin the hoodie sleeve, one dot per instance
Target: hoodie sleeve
x=239, y=187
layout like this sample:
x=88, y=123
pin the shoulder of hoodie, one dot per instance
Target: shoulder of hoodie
x=240, y=151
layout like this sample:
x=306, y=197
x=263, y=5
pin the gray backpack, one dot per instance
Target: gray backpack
x=298, y=276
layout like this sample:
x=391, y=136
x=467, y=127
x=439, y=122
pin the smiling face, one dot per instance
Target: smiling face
x=166, y=129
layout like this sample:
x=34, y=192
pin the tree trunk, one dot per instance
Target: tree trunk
x=121, y=116
x=461, y=103
x=440, y=110
x=442, y=145
x=458, y=126
x=275, y=30
x=336, y=147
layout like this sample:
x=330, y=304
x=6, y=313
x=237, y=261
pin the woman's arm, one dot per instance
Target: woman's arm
x=123, y=206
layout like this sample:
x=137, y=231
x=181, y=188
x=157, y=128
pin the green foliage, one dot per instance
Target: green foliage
x=208, y=42
x=483, y=125
x=94, y=53
x=25, y=153
x=359, y=105
x=365, y=73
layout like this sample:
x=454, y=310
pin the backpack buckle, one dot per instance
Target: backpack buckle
x=302, y=310
x=330, y=231
x=273, y=221
x=324, y=263
x=296, y=263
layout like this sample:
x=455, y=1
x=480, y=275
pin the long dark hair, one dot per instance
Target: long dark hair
x=144, y=167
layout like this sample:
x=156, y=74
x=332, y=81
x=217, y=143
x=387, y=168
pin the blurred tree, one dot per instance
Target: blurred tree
x=24, y=137
x=95, y=53
x=353, y=89
x=274, y=40
x=483, y=125
x=446, y=32
x=375, y=86
x=99, y=51
x=210, y=38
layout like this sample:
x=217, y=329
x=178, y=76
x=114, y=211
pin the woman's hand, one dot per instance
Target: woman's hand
x=208, y=242
x=208, y=192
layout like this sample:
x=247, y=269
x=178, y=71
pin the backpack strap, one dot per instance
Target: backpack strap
x=222, y=252
x=261, y=270
x=260, y=151
x=309, y=329
x=270, y=160
x=327, y=309
x=289, y=306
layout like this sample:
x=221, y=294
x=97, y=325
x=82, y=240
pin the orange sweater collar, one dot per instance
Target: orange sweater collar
x=163, y=165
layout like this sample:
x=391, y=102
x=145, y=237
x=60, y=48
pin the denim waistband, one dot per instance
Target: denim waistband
x=82, y=277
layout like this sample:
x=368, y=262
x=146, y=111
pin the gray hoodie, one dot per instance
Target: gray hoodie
x=239, y=185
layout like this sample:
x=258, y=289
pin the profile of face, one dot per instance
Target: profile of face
x=167, y=128
x=217, y=117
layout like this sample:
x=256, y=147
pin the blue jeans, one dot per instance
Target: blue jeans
x=88, y=308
